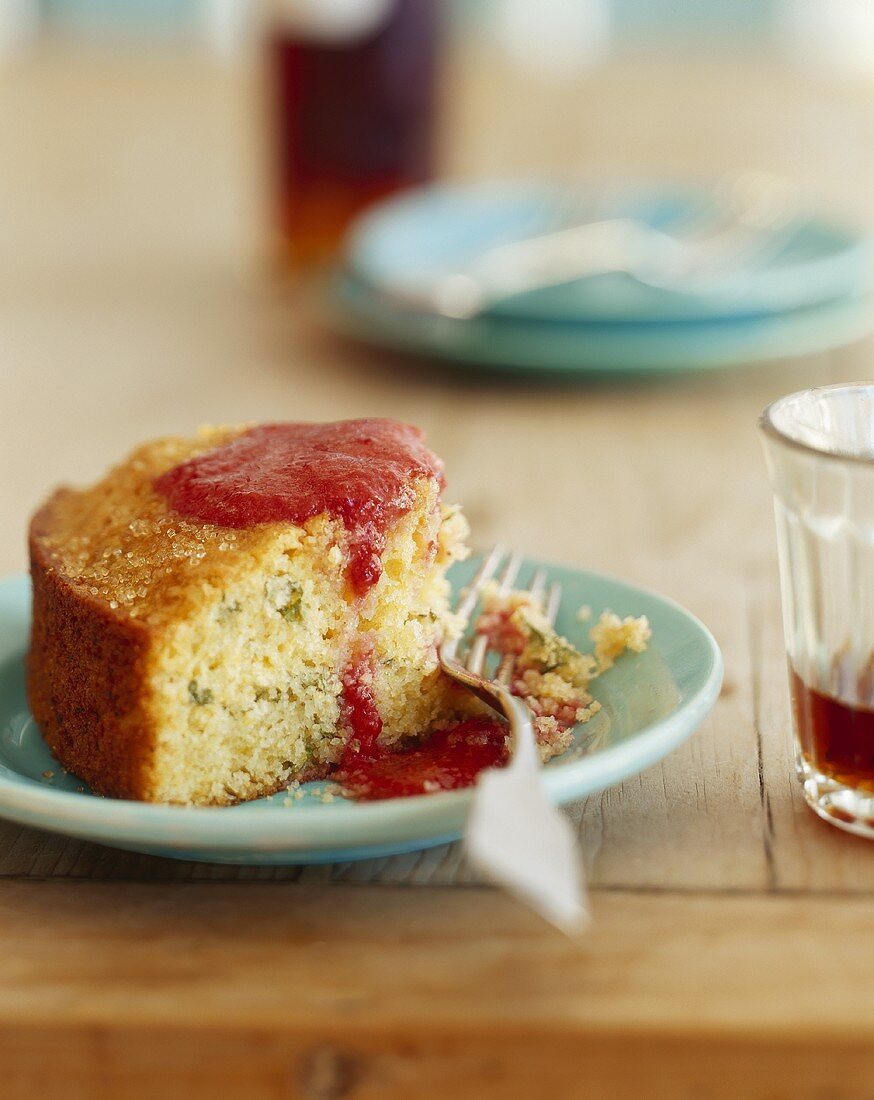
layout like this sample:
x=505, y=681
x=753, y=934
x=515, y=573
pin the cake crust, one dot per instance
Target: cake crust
x=86, y=665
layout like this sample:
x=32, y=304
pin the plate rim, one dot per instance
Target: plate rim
x=584, y=350
x=320, y=828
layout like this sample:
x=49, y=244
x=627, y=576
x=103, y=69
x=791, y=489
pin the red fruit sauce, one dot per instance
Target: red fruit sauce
x=447, y=761
x=359, y=711
x=358, y=471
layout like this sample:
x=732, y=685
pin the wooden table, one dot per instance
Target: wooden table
x=730, y=953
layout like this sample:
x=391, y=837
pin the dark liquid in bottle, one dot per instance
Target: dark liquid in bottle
x=353, y=122
x=837, y=738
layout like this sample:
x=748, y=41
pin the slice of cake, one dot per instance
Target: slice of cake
x=219, y=616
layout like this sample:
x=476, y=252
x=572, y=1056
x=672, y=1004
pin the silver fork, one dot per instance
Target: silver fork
x=748, y=215
x=514, y=834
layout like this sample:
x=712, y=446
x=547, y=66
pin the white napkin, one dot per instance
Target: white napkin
x=519, y=840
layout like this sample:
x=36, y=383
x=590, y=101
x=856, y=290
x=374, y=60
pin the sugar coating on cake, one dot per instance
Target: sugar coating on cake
x=185, y=654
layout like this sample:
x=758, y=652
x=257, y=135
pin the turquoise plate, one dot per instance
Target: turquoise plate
x=438, y=230
x=650, y=703
x=609, y=349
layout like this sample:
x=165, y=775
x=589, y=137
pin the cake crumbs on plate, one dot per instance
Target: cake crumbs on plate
x=548, y=672
x=324, y=794
x=612, y=636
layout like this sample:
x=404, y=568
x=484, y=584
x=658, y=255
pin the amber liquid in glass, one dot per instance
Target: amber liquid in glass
x=353, y=122
x=836, y=738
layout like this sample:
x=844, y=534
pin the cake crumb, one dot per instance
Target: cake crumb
x=547, y=671
x=612, y=636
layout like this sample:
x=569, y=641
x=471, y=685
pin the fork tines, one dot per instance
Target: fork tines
x=537, y=590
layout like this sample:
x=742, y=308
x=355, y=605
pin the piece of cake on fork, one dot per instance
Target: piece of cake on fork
x=219, y=616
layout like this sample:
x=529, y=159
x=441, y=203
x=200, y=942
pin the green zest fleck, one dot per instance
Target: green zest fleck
x=292, y=611
x=226, y=610
x=199, y=695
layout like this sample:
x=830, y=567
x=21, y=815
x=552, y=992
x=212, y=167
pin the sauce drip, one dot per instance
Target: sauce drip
x=447, y=761
x=358, y=471
x=359, y=711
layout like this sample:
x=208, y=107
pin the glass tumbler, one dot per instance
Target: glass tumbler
x=819, y=446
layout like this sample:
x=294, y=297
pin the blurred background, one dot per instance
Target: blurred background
x=176, y=176
x=179, y=89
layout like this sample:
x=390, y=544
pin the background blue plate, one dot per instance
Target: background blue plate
x=591, y=349
x=650, y=703
x=440, y=229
